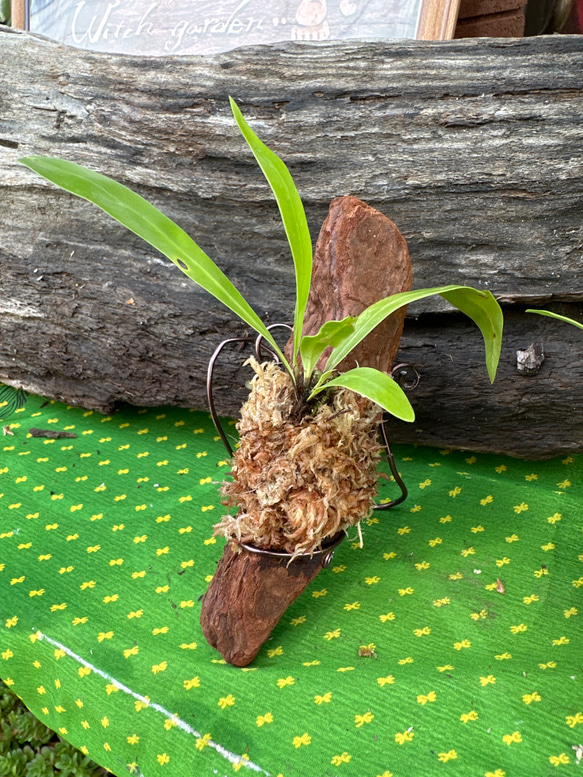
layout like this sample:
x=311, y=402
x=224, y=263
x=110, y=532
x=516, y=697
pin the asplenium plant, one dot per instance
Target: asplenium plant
x=146, y=221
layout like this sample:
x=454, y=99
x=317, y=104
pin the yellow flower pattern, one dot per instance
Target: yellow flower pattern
x=360, y=720
x=508, y=739
x=325, y=699
x=557, y=760
x=528, y=698
x=573, y=720
x=405, y=736
x=130, y=594
x=304, y=739
x=466, y=717
x=445, y=757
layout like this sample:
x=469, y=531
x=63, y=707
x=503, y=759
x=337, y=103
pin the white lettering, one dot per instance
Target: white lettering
x=212, y=25
x=258, y=24
x=142, y=24
x=224, y=26
x=178, y=33
x=92, y=36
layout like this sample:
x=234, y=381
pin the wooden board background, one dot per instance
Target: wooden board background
x=472, y=147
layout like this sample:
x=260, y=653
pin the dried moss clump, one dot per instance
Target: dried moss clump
x=296, y=484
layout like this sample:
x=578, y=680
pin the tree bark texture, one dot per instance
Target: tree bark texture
x=472, y=147
x=246, y=598
x=360, y=258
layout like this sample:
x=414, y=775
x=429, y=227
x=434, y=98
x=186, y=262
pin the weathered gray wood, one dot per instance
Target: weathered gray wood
x=473, y=148
x=533, y=416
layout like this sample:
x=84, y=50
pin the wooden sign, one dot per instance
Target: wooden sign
x=170, y=27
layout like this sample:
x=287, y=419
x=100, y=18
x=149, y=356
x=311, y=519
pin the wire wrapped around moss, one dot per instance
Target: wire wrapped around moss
x=296, y=484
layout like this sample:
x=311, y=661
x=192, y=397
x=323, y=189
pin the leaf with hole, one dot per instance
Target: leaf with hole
x=146, y=221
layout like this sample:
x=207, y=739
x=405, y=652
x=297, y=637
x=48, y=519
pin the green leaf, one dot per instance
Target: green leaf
x=478, y=305
x=146, y=221
x=5, y=11
x=313, y=346
x=323, y=378
x=11, y=400
x=292, y=214
x=556, y=315
x=378, y=387
x=484, y=310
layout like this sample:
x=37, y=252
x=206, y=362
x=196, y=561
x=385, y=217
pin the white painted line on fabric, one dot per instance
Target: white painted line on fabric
x=232, y=757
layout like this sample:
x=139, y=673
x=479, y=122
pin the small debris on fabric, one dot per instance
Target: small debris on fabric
x=500, y=586
x=50, y=434
x=7, y=430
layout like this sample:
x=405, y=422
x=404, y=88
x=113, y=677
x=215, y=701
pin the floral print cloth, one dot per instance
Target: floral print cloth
x=450, y=643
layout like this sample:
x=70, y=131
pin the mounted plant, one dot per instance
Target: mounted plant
x=306, y=467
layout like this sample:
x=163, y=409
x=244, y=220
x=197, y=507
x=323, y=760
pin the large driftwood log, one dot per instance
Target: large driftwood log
x=473, y=148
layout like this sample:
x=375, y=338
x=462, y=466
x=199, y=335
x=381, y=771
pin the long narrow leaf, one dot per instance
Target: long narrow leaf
x=478, y=305
x=484, y=310
x=378, y=387
x=292, y=214
x=146, y=221
x=556, y=315
x=313, y=346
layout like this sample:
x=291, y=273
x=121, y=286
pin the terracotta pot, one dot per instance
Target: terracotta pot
x=250, y=591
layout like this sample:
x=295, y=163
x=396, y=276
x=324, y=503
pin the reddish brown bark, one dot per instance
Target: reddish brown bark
x=246, y=598
x=360, y=258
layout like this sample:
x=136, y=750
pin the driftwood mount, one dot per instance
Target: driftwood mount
x=472, y=147
x=357, y=245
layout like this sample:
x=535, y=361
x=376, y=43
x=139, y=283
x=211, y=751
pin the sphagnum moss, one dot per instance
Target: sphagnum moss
x=297, y=483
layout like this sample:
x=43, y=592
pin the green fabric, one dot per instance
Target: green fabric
x=106, y=548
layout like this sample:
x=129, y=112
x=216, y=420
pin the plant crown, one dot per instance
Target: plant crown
x=138, y=215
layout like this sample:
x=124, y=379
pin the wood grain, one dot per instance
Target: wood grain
x=438, y=19
x=360, y=258
x=18, y=14
x=246, y=598
x=473, y=148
